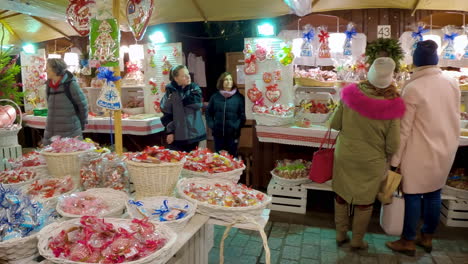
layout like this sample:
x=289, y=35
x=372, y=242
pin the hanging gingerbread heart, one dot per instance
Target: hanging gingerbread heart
x=254, y=94
x=79, y=14
x=138, y=16
x=250, y=66
x=273, y=94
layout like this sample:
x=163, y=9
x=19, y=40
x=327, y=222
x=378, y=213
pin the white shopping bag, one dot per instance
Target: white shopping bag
x=392, y=216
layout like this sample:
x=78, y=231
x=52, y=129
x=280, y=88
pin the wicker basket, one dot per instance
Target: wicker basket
x=288, y=182
x=229, y=214
x=233, y=175
x=18, y=248
x=9, y=136
x=54, y=229
x=306, y=82
x=40, y=170
x=52, y=201
x=114, y=199
x=464, y=87
x=272, y=120
x=155, y=202
x=64, y=164
x=150, y=179
x=21, y=184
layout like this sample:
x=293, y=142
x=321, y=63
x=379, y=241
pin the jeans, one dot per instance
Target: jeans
x=226, y=143
x=431, y=216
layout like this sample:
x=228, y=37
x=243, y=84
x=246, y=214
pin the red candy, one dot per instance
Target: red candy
x=203, y=160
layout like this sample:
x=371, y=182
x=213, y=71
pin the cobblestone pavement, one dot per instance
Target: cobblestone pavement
x=298, y=243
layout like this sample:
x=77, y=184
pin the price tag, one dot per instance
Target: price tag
x=384, y=31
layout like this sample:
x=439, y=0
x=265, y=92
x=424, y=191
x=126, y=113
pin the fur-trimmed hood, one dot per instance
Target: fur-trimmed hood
x=373, y=108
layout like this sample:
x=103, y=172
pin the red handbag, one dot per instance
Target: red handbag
x=321, y=169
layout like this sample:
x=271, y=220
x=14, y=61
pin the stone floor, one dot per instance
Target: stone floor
x=310, y=239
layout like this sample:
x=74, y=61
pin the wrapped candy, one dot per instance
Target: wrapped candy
x=324, y=49
x=31, y=159
x=307, y=48
x=16, y=176
x=350, y=33
x=48, y=188
x=250, y=66
x=114, y=173
x=165, y=213
x=286, y=56
x=449, y=35
x=254, y=94
x=259, y=105
x=134, y=76
x=90, y=171
x=203, y=160
x=156, y=154
x=224, y=195
x=273, y=94
x=83, y=204
x=21, y=217
x=67, y=145
x=96, y=241
x=418, y=35
x=260, y=52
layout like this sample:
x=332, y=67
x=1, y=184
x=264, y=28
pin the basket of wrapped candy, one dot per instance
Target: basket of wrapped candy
x=17, y=177
x=276, y=115
x=316, y=107
x=101, y=202
x=291, y=172
x=62, y=157
x=95, y=240
x=107, y=170
x=8, y=129
x=170, y=211
x=20, y=221
x=204, y=163
x=49, y=189
x=155, y=171
x=31, y=161
x=223, y=199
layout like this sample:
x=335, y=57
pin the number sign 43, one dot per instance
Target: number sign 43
x=384, y=31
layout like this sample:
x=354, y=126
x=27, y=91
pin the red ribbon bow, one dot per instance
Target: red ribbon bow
x=323, y=36
x=260, y=102
x=151, y=51
x=272, y=87
x=251, y=59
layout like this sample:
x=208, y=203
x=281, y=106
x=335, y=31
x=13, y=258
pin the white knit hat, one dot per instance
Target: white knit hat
x=381, y=72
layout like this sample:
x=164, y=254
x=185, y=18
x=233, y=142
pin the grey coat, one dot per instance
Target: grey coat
x=62, y=120
x=182, y=113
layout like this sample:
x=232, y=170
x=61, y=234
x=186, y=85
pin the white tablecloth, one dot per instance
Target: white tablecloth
x=138, y=127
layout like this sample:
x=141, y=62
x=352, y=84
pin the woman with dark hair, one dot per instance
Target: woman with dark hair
x=368, y=119
x=226, y=115
x=68, y=108
x=181, y=106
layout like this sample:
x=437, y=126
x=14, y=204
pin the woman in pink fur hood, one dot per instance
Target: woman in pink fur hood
x=368, y=119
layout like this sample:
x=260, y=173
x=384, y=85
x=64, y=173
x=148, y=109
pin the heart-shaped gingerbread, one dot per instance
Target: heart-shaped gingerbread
x=273, y=95
x=79, y=13
x=138, y=16
x=254, y=94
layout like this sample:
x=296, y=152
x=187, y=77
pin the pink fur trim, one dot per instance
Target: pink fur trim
x=379, y=109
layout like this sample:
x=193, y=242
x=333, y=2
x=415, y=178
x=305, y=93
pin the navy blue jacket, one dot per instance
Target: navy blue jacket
x=226, y=116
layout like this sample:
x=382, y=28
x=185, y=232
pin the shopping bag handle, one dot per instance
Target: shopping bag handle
x=327, y=138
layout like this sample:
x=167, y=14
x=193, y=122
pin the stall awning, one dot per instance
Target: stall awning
x=330, y=5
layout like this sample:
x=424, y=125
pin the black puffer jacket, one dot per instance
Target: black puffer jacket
x=226, y=116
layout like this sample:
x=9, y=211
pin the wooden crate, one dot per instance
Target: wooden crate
x=287, y=199
x=454, y=213
x=8, y=153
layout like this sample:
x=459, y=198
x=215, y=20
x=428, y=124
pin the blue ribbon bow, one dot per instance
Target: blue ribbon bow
x=107, y=74
x=163, y=210
x=137, y=203
x=418, y=34
x=350, y=33
x=450, y=37
x=309, y=35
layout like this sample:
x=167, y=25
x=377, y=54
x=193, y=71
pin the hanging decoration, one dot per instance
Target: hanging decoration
x=79, y=14
x=134, y=75
x=105, y=44
x=449, y=35
x=175, y=52
x=258, y=105
x=151, y=53
x=418, y=35
x=157, y=106
x=466, y=48
x=286, y=56
x=260, y=52
x=163, y=87
x=308, y=37
x=277, y=75
x=267, y=77
x=110, y=96
x=154, y=86
x=250, y=66
x=248, y=49
x=166, y=67
x=254, y=94
x=273, y=94
x=324, y=48
x=138, y=16
x=348, y=45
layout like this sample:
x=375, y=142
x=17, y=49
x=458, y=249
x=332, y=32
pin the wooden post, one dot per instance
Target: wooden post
x=118, y=113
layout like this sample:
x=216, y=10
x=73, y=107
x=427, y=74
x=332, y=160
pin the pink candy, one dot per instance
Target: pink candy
x=67, y=145
x=83, y=204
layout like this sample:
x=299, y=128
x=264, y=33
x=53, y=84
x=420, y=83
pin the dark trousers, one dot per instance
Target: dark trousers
x=183, y=147
x=226, y=143
x=431, y=216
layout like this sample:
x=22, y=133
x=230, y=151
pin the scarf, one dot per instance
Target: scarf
x=228, y=94
x=55, y=85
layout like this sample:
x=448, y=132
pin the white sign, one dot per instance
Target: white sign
x=384, y=31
